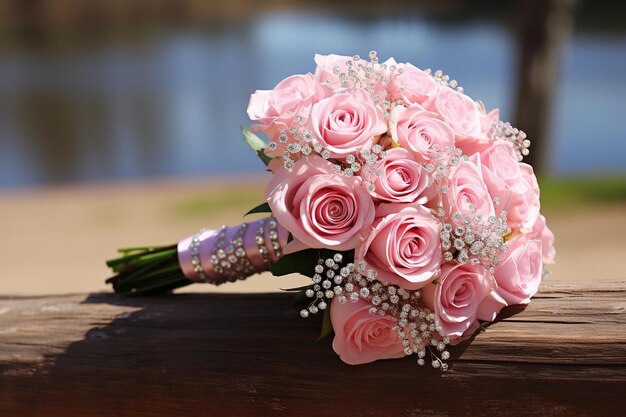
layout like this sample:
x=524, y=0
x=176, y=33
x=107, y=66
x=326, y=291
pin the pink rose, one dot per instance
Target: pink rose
x=291, y=97
x=513, y=183
x=523, y=212
x=461, y=112
x=503, y=176
x=404, y=247
x=320, y=209
x=542, y=232
x=467, y=190
x=421, y=132
x=500, y=159
x=347, y=122
x=487, y=119
x=327, y=64
x=413, y=85
x=463, y=295
x=402, y=179
x=519, y=274
x=361, y=337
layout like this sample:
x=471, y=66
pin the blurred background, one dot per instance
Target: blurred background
x=119, y=119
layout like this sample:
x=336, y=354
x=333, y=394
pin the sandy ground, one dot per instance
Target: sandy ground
x=56, y=240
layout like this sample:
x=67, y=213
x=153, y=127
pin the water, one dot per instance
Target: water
x=171, y=105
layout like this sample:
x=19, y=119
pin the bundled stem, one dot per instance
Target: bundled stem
x=147, y=270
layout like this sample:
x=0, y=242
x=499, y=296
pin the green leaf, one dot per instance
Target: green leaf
x=327, y=324
x=261, y=208
x=302, y=262
x=301, y=298
x=257, y=144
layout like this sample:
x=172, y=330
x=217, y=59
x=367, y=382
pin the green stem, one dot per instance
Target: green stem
x=147, y=254
x=147, y=270
x=127, y=251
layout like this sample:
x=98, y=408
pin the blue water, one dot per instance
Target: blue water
x=171, y=105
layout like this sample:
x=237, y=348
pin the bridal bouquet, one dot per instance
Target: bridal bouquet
x=401, y=197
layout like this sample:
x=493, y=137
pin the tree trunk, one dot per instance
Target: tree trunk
x=544, y=27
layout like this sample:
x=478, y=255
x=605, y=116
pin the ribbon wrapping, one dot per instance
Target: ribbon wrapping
x=230, y=253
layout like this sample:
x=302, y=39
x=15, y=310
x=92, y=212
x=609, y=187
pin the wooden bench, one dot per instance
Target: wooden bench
x=252, y=355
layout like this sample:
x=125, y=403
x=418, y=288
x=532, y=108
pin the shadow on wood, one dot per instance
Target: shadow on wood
x=251, y=355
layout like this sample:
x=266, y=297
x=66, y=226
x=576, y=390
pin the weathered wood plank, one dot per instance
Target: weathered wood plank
x=251, y=354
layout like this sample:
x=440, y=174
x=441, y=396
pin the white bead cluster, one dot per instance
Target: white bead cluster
x=194, y=249
x=445, y=80
x=299, y=141
x=471, y=238
x=444, y=161
x=262, y=237
x=416, y=325
x=229, y=257
x=504, y=131
x=327, y=283
x=372, y=77
x=303, y=144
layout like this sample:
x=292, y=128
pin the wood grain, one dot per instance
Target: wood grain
x=251, y=355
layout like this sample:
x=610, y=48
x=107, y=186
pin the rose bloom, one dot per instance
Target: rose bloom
x=542, y=232
x=523, y=214
x=320, y=209
x=404, y=248
x=291, y=97
x=326, y=64
x=466, y=187
x=361, y=337
x=421, y=132
x=402, y=179
x=487, y=119
x=500, y=158
x=345, y=123
x=413, y=86
x=519, y=274
x=464, y=294
x=502, y=174
x=462, y=113
x=513, y=183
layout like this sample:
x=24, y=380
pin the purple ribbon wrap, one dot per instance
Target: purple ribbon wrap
x=195, y=258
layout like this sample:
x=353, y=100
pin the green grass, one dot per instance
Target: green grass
x=569, y=192
x=237, y=200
